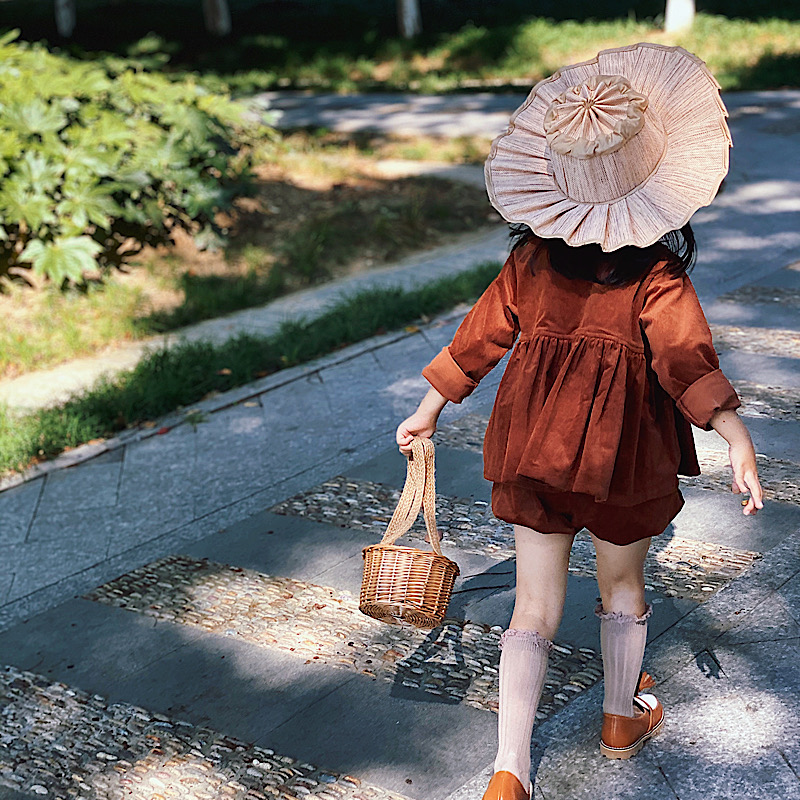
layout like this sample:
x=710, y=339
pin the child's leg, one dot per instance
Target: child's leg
x=542, y=561
x=623, y=620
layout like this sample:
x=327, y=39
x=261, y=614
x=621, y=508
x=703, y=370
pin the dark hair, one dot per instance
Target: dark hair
x=626, y=265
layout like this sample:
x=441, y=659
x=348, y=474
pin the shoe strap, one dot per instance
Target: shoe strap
x=646, y=681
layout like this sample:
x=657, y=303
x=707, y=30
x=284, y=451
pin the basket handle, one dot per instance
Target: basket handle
x=419, y=491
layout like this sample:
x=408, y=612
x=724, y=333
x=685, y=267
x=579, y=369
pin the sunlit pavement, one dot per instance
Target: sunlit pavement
x=180, y=612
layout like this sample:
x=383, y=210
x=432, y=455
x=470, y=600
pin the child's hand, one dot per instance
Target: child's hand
x=745, y=475
x=422, y=422
x=418, y=424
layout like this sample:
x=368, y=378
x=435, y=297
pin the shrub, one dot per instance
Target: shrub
x=96, y=161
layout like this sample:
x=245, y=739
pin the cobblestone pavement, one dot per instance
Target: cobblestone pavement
x=682, y=568
x=57, y=741
x=201, y=556
x=457, y=662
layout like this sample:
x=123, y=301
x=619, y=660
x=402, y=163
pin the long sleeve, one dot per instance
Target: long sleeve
x=482, y=339
x=683, y=355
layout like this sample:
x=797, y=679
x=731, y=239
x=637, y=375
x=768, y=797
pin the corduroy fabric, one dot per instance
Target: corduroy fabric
x=566, y=512
x=622, y=642
x=601, y=387
x=523, y=665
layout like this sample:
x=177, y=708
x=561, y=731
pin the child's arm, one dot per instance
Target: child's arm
x=422, y=422
x=743, y=457
x=482, y=339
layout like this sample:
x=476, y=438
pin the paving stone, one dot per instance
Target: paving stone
x=675, y=567
x=353, y=396
x=406, y=358
x=324, y=625
x=773, y=438
x=279, y=545
x=565, y=768
x=17, y=507
x=765, y=675
x=716, y=517
x=6, y=581
x=788, y=278
x=390, y=740
x=790, y=592
x=770, y=620
x=129, y=526
x=236, y=687
x=779, y=478
x=90, y=486
x=233, y=443
x=91, y=645
x=769, y=309
x=770, y=296
x=159, y=466
x=765, y=370
x=459, y=472
x=714, y=745
x=38, y=564
x=12, y=794
x=59, y=741
x=723, y=611
x=773, y=402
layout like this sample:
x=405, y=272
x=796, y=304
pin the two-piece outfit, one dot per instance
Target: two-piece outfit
x=591, y=424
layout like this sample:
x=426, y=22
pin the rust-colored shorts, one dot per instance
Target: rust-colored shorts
x=568, y=512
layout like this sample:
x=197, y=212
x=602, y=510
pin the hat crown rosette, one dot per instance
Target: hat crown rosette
x=616, y=151
x=594, y=117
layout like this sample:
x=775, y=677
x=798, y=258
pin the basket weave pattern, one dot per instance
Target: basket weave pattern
x=406, y=584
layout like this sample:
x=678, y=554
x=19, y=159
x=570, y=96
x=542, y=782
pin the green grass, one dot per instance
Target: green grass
x=168, y=379
x=59, y=325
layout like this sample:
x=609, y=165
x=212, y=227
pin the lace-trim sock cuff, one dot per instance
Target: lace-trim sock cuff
x=618, y=616
x=517, y=639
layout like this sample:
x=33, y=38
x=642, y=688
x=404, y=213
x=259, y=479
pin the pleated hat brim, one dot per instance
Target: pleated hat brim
x=685, y=97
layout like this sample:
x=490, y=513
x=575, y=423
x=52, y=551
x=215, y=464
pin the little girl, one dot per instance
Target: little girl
x=600, y=170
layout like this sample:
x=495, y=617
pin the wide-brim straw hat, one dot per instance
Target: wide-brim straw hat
x=618, y=150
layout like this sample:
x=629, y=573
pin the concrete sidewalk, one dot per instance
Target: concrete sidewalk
x=179, y=613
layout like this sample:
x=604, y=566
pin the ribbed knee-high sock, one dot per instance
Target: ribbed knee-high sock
x=523, y=664
x=622, y=641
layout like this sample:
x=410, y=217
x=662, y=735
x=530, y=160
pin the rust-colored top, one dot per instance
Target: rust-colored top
x=601, y=387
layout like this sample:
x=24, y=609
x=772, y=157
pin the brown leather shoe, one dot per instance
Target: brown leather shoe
x=505, y=786
x=623, y=737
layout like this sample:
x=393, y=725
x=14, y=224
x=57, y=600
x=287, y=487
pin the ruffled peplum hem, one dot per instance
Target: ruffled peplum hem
x=580, y=415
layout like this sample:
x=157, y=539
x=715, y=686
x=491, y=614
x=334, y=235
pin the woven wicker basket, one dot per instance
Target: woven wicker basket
x=405, y=584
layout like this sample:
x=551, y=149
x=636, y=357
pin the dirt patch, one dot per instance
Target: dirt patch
x=310, y=218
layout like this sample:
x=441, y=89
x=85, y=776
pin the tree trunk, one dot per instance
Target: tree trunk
x=679, y=15
x=217, y=16
x=65, y=17
x=409, y=19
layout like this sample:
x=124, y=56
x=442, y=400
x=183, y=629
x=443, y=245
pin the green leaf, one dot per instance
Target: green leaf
x=202, y=198
x=35, y=116
x=39, y=173
x=19, y=203
x=65, y=258
x=87, y=203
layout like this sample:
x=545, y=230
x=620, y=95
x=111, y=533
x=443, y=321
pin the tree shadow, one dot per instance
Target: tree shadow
x=771, y=71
